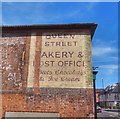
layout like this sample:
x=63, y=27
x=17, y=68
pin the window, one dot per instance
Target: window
x=116, y=96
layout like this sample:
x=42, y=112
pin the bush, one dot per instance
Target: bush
x=116, y=107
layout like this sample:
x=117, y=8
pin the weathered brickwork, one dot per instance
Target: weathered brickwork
x=12, y=62
x=17, y=97
x=67, y=102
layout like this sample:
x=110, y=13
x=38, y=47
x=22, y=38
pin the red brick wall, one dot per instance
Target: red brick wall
x=16, y=97
x=97, y=96
x=67, y=102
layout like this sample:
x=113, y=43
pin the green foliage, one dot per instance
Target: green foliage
x=116, y=107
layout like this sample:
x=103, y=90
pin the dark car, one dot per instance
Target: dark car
x=99, y=110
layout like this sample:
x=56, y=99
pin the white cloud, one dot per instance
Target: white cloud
x=109, y=69
x=111, y=66
x=29, y=12
x=91, y=5
x=100, y=51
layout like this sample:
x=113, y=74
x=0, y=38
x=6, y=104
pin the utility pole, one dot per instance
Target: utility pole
x=102, y=83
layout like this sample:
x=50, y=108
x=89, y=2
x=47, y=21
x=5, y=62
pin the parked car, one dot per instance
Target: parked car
x=99, y=110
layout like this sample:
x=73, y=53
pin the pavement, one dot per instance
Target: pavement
x=109, y=113
x=112, y=110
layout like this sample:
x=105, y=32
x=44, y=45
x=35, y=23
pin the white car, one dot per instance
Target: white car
x=99, y=110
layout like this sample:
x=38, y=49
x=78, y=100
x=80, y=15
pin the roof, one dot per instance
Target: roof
x=114, y=88
x=91, y=26
x=99, y=90
x=117, y=88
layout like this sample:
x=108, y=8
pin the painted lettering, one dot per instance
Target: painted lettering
x=57, y=54
x=61, y=43
x=60, y=35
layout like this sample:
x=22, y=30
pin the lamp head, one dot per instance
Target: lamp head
x=94, y=74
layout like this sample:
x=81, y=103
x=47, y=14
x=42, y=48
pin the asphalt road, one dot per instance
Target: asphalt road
x=108, y=114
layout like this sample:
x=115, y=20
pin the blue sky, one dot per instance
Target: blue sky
x=105, y=40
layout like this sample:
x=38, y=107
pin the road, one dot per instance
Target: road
x=109, y=114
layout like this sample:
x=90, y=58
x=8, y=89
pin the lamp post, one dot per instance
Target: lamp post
x=94, y=87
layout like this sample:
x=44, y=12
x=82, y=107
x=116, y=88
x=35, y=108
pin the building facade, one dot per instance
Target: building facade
x=110, y=96
x=46, y=69
x=98, y=94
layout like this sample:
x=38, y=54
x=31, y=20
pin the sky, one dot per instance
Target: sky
x=104, y=42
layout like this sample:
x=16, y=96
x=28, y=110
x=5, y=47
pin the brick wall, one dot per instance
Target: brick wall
x=67, y=102
x=16, y=97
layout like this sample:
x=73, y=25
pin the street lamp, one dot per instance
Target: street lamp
x=102, y=83
x=94, y=87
